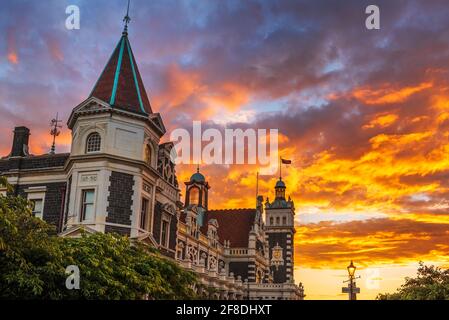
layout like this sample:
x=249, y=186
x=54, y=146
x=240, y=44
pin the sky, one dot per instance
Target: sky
x=362, y=114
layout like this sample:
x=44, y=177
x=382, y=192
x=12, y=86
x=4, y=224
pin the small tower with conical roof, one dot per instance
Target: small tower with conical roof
x=115, y=181
x=197, y=190
x=280, y=230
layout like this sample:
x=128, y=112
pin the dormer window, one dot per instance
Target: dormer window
x=93, y=142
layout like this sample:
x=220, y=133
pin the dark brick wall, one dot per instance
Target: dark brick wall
x=120, y=230
x=120, y=198
x=54, y=205
x=53, y=200
x=239, y=269
x=280, y=273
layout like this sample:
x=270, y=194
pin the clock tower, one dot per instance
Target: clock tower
x=280, y=230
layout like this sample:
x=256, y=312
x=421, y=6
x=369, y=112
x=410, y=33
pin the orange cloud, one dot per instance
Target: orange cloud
x=370, y=242
x=381, y=121
x=387, y=94
x=180, y=86
x=228, y=95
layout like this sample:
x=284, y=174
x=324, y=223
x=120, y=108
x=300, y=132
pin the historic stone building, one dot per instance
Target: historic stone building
x=118, y=177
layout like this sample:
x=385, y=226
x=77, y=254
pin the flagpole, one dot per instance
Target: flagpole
x=257, y=187
x=280, y=168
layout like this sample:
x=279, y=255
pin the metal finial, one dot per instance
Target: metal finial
x=55, y=126
x=126, y=19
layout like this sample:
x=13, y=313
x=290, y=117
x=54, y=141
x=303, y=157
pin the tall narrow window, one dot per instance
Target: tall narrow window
x=278, y=221
x=93, y=142
x=144, y=214
x=148, y=154
x=164, y=233
x=284, y=220
x=37, y=207
x=271, y=221
x=87, y=205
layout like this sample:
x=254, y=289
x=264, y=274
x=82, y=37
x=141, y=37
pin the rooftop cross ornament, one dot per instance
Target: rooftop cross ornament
x=55, y=126
x=126, y=19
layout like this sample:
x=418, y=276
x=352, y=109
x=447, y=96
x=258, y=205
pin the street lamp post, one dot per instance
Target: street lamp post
x=352, y=289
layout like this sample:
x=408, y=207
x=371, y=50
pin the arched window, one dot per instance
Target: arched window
x=194, y=195
x=93, y=142
x=148, y=154
x=271, y=221
x=277, y=221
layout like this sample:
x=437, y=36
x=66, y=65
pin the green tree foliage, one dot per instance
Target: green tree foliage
x=431, y=283
x=33, y=261
x=112, y=268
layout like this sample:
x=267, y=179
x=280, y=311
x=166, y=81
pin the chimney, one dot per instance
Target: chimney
x=20, y=142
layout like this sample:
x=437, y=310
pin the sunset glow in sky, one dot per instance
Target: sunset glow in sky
x=363, y=114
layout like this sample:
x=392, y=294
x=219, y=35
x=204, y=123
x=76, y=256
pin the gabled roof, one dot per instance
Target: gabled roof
x=120, y=83
x=233, y=225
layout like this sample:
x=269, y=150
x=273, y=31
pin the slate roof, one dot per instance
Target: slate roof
x=120, y=83
x=31, y=162
x=233, y=225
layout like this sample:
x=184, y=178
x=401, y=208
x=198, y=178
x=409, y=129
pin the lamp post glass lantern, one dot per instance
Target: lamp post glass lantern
x=351, y=269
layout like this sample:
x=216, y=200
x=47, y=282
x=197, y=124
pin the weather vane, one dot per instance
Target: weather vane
x=55, y=126
x=127, y=19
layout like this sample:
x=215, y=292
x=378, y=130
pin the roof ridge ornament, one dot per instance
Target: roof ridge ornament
x=55, y=125
x=126, y=19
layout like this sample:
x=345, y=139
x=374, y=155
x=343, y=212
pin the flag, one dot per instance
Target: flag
x=285, y=161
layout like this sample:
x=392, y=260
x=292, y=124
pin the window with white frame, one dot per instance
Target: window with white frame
x=87, y=205
x=37, y=207
x=144, y=214
x=36, y=195
x=93, y=142
x=165, y=233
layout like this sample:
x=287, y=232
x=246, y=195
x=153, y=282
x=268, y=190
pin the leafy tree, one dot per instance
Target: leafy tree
x=30, y=258
x=112, y=268
x=33, y=260
x=431, y=283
